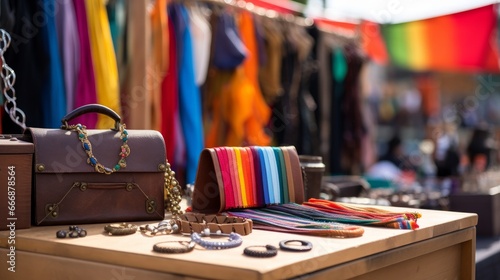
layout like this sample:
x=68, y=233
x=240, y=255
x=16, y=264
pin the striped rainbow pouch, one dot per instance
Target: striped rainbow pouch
x=247, y=177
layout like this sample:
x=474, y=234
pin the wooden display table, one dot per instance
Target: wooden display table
x=442, y=248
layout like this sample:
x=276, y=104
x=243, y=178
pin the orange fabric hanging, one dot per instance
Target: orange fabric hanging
x=159, y=58
x=239, y=111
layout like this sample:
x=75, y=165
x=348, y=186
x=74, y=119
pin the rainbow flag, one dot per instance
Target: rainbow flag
x=463, y=41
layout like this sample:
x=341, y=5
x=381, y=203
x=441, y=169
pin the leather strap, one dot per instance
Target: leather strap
x=195, y=222
x=298, y=184
x=291, y=189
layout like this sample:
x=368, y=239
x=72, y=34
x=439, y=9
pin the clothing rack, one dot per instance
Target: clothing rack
x=261, y=11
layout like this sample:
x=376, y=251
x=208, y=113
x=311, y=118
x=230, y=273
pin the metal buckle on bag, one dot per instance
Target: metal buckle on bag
x=52, y=209
x=150, y=206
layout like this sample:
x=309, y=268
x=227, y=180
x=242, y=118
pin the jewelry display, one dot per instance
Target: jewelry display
x=163, y=227
x=303, y=247
x=194, y=222
x=185, y=247
x=270, y=251
x=233, y=241
x=120, y=229
x=74, y=232
x=81, y=130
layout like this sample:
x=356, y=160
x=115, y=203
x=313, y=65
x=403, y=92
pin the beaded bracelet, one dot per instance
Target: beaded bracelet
x=233, y=241
x=187, y=246
x=120, y=229
x=270, y=251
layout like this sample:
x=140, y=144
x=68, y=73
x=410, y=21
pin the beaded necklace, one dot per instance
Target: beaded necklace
x=172, y=188
x=81, y=130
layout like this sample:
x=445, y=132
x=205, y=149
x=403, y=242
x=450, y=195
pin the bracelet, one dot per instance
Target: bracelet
x=120, y=229
x=187, y=246
x=195, y=222
x=270, y=251
x=304, y=246
x=233, y=241
x=163, y=227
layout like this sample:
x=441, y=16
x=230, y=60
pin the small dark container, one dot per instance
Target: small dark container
x=313, y=168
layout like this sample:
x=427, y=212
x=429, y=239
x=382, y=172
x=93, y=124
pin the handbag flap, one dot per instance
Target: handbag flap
x=208, y=194
x=60, y=151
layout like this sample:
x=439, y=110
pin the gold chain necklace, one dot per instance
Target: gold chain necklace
x=173, y=193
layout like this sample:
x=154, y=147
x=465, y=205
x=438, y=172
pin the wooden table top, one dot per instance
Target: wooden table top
x=136, y=250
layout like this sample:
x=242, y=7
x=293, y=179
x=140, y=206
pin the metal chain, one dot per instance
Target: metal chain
x=8, y=80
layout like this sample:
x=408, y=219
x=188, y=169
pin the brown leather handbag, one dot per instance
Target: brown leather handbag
x=92, y=176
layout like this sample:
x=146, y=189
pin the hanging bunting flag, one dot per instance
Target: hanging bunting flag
x=463, y=41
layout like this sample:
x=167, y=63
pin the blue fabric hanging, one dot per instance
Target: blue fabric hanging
x=189, y=93
x=53, y=93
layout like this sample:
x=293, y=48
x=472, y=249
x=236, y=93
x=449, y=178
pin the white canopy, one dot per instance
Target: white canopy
x=389, y=11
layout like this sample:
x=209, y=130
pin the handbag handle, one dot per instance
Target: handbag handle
x=92, y=108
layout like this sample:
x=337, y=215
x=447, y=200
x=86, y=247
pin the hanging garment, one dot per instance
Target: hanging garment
x=158, y=60
x=236, y=113
x=260, y=113
x=285, y=111
x=117, y=16
x=338, y=70
x=85, y=91
x=303, y=43
x=169, y=102
x=229, y=51
x=189, y=94
x=270, y=72
x=202, y=38
x=69, y=45
x=104, y=59
x=260, y=39
x=54, y=97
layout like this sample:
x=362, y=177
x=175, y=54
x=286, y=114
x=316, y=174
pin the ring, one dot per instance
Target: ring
x=270, y=251
x=120, y=229
x=187, y=246
x=304, y=246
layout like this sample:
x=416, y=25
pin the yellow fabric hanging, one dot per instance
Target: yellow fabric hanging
x=103, y=56
x=158, y=58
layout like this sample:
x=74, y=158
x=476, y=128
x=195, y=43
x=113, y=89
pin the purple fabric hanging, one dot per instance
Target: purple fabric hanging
x=69, y=46
x=85, y=86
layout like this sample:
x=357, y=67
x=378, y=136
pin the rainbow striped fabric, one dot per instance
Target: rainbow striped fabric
x=244, y=177
x=462, y=41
